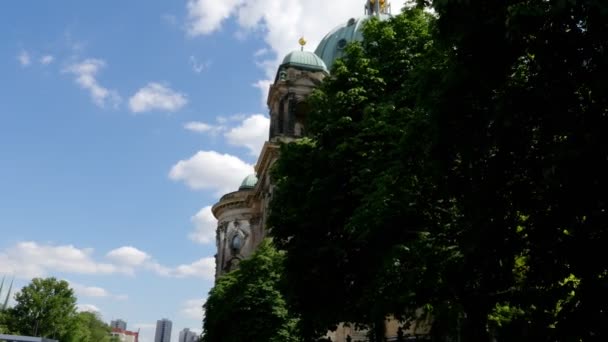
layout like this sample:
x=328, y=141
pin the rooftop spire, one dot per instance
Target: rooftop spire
x=2, y=285
x=8, y=295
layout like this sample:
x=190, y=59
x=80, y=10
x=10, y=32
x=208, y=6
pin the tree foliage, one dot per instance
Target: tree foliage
x=88, y=327
x=456, y=164
x=45, y=308
x=246, y=304
x=356, y=229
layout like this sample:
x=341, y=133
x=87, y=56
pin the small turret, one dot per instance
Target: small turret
x=300, y=72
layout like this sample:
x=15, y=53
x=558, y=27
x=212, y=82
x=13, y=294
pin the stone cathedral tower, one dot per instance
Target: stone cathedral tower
x=242, y=214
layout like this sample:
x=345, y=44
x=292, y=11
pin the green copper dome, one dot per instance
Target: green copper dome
x=249, y=182
x=305, y=60
x=332, y=46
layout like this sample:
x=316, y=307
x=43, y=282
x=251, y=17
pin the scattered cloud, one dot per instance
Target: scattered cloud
x=211, y=170
x=89, y=291
x=201, y=127
x=204, y=226
x=264, y=87
x=128, y=255
x=251, y=134
x=46, y=59
x=282, y=23
x=30, y=259
x=87, y=308
x=202, y=268
x=193, y=309
x=94, y=291
x=156, y=96
x=197, y=66
x=24, y=58
x=205, y=16
x=226, y=119
x=86, y=73
x=260, y=52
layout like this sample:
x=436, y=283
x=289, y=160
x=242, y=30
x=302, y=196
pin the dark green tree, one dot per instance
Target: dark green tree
x=520, y=118
x=460, y=169
x=45, y=308
x=88, y=327
x=246, y=304
x=354, y=204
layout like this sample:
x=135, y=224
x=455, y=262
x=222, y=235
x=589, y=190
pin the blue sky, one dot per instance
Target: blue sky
x=121, y=122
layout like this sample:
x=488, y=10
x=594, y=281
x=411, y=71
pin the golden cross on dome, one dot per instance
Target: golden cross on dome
x=302, y=42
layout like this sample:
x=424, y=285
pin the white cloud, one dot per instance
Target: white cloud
x=46, y=59
x=86, y=72
x=282, y=22
x=193, y=309
x=252, y=133
x=211, y=170
x=197, y=66
x=261, y=52
x=206, y=16
x=204, y=226
x=24, y=58
x=89, y=291
x=264, y=87
x=87, y=308
x=201, y=127
x=155, y=96
x=94, y=291
x=226, y=119
x=31, y=259
x=159, y=269
x=202, y=268
x=128, y=255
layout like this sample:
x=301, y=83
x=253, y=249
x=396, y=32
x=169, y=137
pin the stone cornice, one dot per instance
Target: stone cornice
x=233, y=200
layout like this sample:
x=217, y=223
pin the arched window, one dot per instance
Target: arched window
x=281, y=117
x=301, y=112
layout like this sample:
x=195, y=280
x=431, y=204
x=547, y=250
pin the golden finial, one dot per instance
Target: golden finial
x=302, y=42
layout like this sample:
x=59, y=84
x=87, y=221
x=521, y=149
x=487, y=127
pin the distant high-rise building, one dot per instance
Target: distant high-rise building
x=188, y=336
x=163, y=330
x=119, y=324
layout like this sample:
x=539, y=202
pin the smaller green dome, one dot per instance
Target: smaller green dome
x=249, y=182
x=304, y=60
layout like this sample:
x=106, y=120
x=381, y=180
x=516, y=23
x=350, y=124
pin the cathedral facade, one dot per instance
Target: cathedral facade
x=242, y=214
